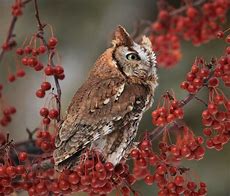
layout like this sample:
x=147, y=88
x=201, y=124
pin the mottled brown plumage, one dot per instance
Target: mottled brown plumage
x=105, y=112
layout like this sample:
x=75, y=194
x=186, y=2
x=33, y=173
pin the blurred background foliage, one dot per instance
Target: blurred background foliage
x=84, y=29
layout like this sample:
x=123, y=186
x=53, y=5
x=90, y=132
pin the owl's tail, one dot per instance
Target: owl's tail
x=69, y=163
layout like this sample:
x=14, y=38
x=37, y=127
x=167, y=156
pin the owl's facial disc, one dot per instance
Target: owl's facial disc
x=136, y=60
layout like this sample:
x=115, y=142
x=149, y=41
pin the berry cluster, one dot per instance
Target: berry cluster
x=30, y=58
x=6, y=110
x=48, y=114
x=168, y=112
x=197, y=76
x=16, y=9
x=45, y=141
x=91, y=175
x=196, y=24
x=187, y=146
x=170, y=179
x=222, y=70
x=7, y=113
x=216, y=120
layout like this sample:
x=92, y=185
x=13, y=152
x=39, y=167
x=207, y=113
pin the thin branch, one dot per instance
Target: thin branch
x=182, y=9
x=51, y=54
x=201, y=101
x=40, y=25
x=10, y=33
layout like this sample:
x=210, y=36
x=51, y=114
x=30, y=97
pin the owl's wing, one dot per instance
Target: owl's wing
x=94, y=109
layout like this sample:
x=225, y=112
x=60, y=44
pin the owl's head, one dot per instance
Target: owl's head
x=133, y=59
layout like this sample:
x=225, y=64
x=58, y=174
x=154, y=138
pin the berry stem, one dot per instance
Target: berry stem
x=201, y=101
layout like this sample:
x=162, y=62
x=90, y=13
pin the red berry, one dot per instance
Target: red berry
x=58, y=70
x=149, y=179
x=45, y=86
x=192, y=12
x=179, y=180
x=161, y=170
x=44, y=112
x=163, y=15
x=220, y=34
x=185, y=151
x=73, y=178
x=27, y=49
x=207, y=131
x=204, y=73
x=135, y=153
x=22, y=156
x=24, y=60
x=213, y=82
x=53, y=113
x=40, y=93
x=52, y=42
x=190, y=76
x=197, y=82
x=179, y=113
x=184, y=85
x=192, y=89
x=125, y=191
x=19, y=51
x=212, y=108
x=42, y=49
x=61, y=76
x=20, y=169
x=49, y=70
x=11, y=78
x=21, y=73
x=206, y=114
x=153, y=159
x=145, y=145
x=46, y=121
x=11, y=171
x=228, y=39
x=109, y=166
x=195, y=69
x=170, y=118
x=38, y=67
x=100, y=167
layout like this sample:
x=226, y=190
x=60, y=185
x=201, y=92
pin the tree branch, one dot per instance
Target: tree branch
x=51, y=54
x=183, y=102
x=10, y=33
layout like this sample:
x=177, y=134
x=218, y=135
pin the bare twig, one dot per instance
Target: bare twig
x=201, y=101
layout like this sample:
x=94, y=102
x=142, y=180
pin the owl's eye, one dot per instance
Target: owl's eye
x=133, y=57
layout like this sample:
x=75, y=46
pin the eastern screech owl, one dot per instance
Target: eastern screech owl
x=105, y=112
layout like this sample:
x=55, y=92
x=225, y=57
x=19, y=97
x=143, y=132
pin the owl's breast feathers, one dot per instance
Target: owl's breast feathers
x=104, y=99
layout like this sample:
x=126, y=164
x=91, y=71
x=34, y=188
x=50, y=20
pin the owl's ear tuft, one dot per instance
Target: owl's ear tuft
x=146, y=42
x=121, y=37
